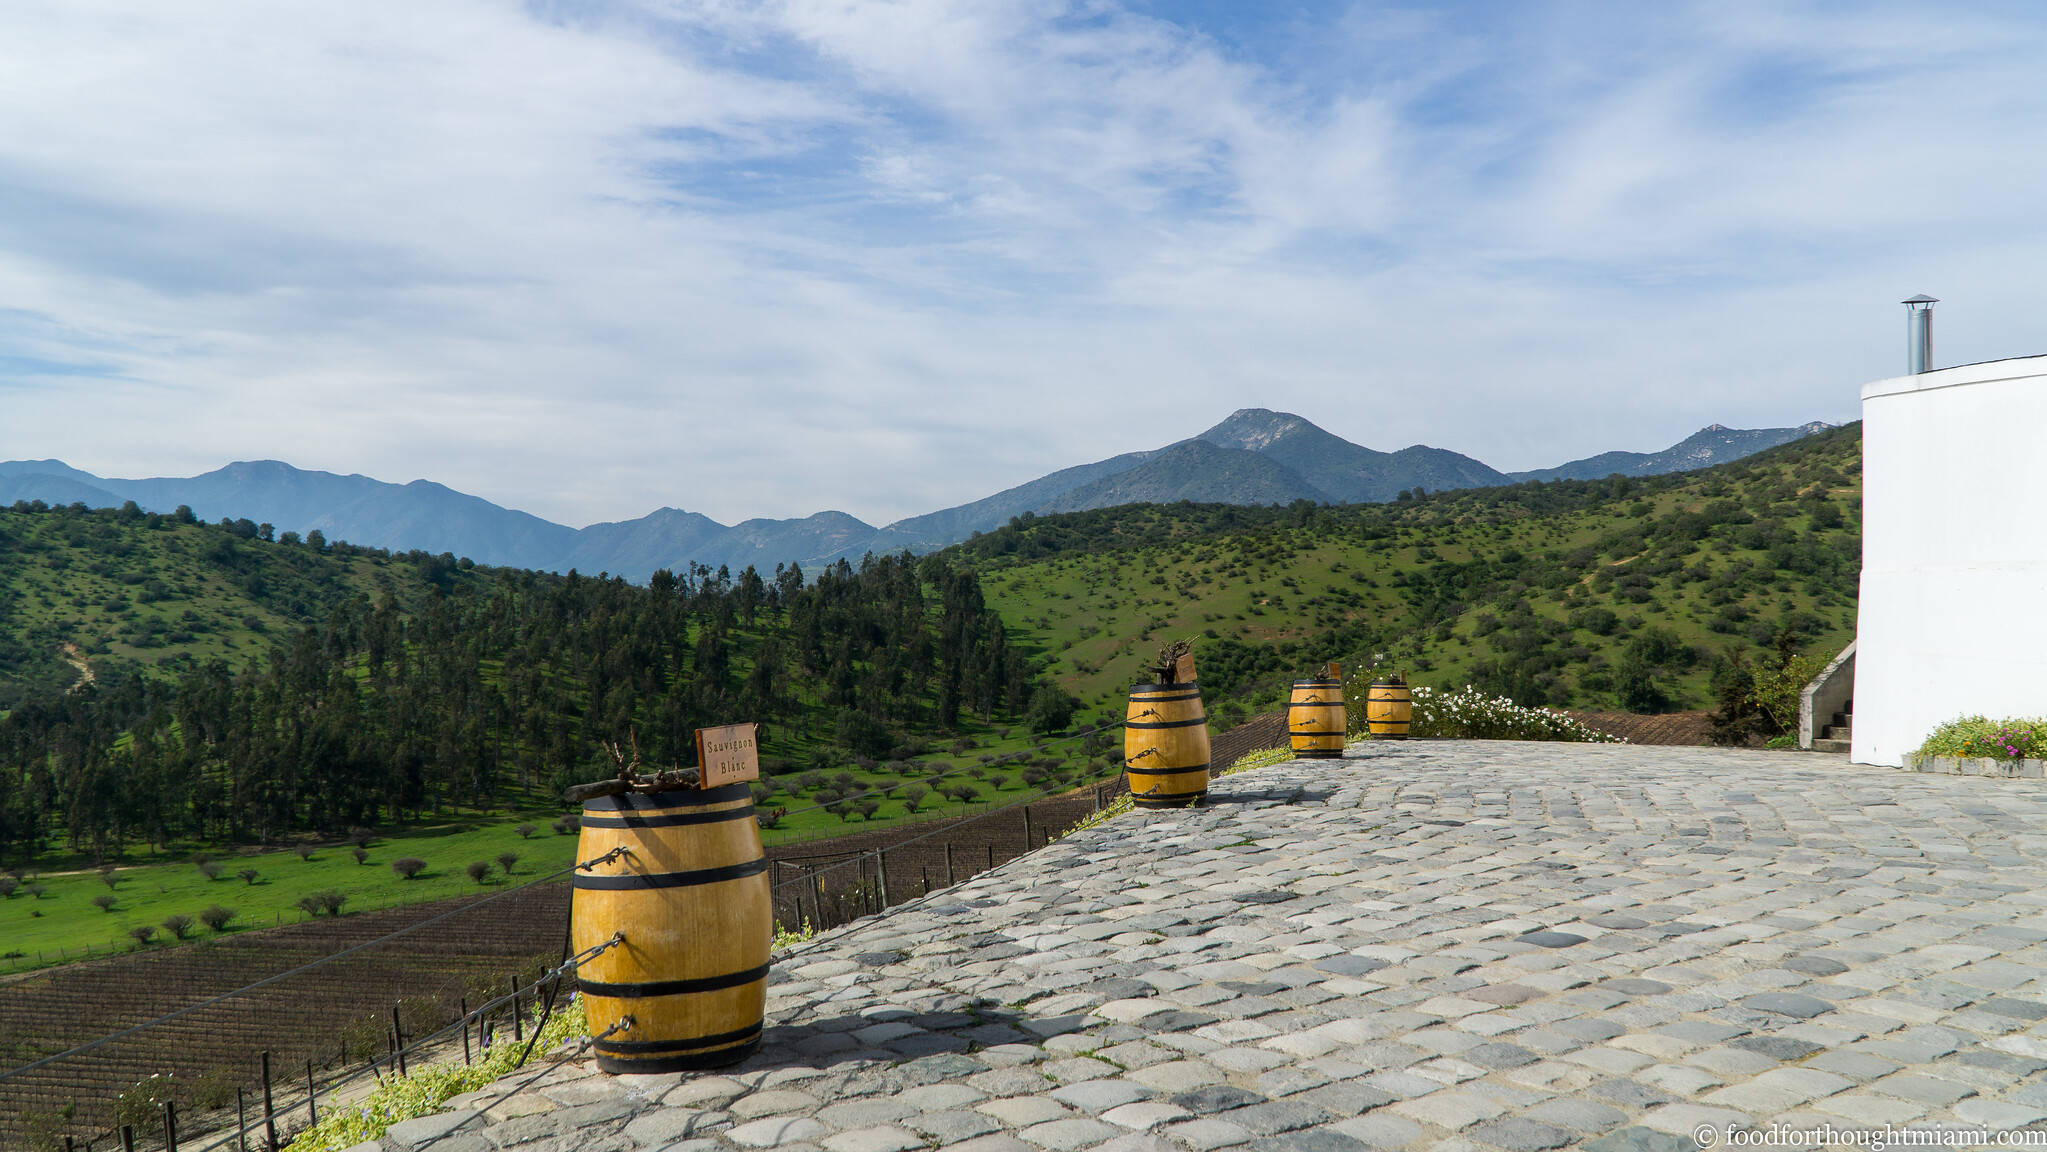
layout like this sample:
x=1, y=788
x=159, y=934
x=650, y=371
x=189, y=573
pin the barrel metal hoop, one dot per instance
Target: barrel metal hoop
x=669, y=819
x=677, y=1047
x=1148, y=698
x=640, y=801
x=1168, y=723
x=644, y=988
x=630, y=882
x=1201, y=767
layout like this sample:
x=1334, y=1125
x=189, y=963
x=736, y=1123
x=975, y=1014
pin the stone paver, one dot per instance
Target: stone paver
x=1456, y=944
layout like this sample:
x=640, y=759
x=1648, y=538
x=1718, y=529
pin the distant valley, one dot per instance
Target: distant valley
x=1256, y=456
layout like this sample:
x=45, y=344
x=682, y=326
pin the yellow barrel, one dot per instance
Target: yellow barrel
x=1315, y=720
x=1388, y=709
x=691, y=896
x=1165, y=746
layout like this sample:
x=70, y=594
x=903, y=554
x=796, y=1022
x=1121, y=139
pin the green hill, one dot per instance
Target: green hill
x=239, y=690
x=123, y=593
x=1622, y=593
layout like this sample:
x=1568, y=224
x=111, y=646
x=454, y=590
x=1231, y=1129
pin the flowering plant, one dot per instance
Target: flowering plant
x=1973, y=736
x=1473, y=715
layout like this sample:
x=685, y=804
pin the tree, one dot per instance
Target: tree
x=506, y=860
x=178, y=925
x=8, y=884
x=210, y=869
x=477, y=870
x=248, y=875
x=525, y=831
x=361, y=854
x=913, y=796
x=408, y=866
x=142, y=934
x=1051, y=709
x=216, y=917
x=103, y=903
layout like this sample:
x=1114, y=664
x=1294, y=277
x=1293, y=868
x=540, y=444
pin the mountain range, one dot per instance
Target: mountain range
x=1256, y=456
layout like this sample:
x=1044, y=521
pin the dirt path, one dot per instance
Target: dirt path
x=73, y=658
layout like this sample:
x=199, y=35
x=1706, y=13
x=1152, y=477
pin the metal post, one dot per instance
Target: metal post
x=312, y=1112
x=881, y=875
x=465, y=1030
x=991, y=855
x=518, y=1026
x=1027, y=827
x=241, y=1118
x=1919, y=333
x=269, y=1107
x=817, y=898
x=127, y=1138
x=170, y=1126
x=949, y=881
x=398, y=1039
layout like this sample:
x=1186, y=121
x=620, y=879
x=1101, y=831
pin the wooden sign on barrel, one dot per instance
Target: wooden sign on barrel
x=729, y=755
x=688, y=895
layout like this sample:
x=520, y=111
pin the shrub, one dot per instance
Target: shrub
x=525, y=831
x=565, y=825
x=913, y=796
x=248, y=875
x=506, y=860
x=142, y=1105
x=178, y=925
x=35, y=889
x=213, y=1089
x=209, y=869
x=361, y=854
x=477, y=870
x=1474, y=715
x=142, y=934
x=8, y=885
x=216, y=917
x=408, y=866
x=305, y=851
x=2012, y=739
x=108, y=876
x=103, y=903
x=1777, y=690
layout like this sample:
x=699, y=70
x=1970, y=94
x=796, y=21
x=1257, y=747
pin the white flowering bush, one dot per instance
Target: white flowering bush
x=424, y=1091
x=1473, y=715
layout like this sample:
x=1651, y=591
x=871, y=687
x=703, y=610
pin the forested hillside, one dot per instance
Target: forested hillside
x=1621, y=593
x=424, y=684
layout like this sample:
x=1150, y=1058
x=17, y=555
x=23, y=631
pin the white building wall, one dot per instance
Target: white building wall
x=1953, y=613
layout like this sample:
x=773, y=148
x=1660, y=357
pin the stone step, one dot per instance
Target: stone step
x=1844, y=718
x=1837, y=732
x=1840, y=746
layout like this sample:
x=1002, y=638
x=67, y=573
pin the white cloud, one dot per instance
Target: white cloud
x=767, y=258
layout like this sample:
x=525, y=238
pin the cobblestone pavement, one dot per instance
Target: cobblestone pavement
x=1442, y=944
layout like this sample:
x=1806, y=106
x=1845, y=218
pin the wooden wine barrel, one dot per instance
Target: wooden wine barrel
x=1315, y=720
x=1388, y=709
x=691, y=896
x=1165, y=745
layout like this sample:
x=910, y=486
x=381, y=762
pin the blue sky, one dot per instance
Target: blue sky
x=763, y=259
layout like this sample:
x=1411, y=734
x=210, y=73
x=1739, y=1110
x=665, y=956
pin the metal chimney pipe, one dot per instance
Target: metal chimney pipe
x=1919, y=333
